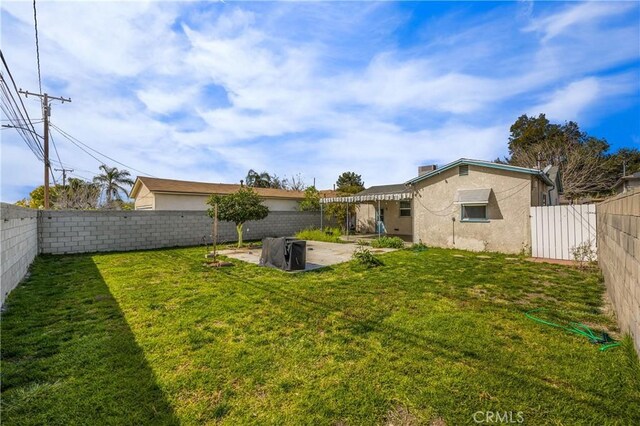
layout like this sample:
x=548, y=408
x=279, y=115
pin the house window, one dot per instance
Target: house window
x=463, y=170
x=544, y=199
x=405, y=208
x=472, y=213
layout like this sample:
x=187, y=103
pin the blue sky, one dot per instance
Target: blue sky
x=206, y=90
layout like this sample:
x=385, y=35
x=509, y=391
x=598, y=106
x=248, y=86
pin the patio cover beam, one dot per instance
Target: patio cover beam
x=369, y=197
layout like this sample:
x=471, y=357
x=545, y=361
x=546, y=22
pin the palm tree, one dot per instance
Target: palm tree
x=258, y=180
x=112, y=182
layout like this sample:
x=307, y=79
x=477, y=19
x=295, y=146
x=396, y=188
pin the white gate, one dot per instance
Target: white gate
x=555, y=230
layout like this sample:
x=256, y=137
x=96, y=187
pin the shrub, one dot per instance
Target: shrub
x=329, y=235
x=419, y=246
x=363, y=256
x=584, y=254
x=388, y=242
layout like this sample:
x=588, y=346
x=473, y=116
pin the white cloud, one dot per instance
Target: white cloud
x=571, y=101
x=575, y=15
x=313, y=89
x=567, y=103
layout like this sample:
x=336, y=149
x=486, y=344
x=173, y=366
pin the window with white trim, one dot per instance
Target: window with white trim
x=405, y=208
x=471, y=213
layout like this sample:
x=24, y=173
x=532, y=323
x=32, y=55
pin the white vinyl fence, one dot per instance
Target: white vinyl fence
x=556, y=230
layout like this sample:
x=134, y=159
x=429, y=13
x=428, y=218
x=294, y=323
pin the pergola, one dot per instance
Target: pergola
x=375, y=194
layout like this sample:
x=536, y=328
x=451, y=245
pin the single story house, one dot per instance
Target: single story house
x=468, y=204
x=169, y=194
x=627, y=183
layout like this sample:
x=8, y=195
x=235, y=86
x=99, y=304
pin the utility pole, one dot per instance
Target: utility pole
x=46, y=112
x=64, y=174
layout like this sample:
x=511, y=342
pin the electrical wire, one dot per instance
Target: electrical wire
x=17, y=112
x=55, y=148
x=78, y=142
x=35, y=25
x=78, y=145
x=21, y=120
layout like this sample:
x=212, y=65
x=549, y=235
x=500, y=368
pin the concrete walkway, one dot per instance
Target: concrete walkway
x=319, y=254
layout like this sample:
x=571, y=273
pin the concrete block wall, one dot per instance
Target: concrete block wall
x=618, y=224
x=98, y=231
x=18, y=245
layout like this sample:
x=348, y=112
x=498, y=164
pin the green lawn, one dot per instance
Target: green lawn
x=430, y=337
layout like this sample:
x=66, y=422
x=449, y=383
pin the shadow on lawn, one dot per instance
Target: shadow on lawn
x=436, y=345
x=69, y=356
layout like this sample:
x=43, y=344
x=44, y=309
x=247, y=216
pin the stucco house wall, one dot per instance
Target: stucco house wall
x=393, y=222
x=145, y=199
x=507, y=228
x=365, y=218
x=199, y=202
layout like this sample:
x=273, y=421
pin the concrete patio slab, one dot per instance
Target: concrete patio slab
x=319, y=254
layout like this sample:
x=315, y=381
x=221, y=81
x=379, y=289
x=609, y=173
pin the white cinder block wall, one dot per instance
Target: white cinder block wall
x=18, y=245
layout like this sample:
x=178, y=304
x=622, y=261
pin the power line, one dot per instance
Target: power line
x=78, y=145
x=19, y=115
x=21, y=120
x=77, y=141
x=55, y=148
x=35, y=25
x=12, y=110
x=81, y=176
x=67, y=165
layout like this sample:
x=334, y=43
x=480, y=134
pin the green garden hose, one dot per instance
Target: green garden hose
x=578, y=328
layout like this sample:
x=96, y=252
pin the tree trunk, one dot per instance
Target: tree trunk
x=239, y=230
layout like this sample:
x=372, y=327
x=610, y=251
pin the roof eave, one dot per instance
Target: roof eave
x=136, y=188
x=219, y=193
x=449, y=166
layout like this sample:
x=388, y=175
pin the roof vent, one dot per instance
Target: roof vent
x=423, y=170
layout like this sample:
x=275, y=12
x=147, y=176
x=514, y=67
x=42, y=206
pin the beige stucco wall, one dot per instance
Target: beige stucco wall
x=366, y=218
x=393, y=222
x=508, y=227
x=199, y=202
x=145, y=199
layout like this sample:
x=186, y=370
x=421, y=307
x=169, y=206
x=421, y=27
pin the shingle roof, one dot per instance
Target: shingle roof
x=206, y=188
x=482, y=163
x=384, y=189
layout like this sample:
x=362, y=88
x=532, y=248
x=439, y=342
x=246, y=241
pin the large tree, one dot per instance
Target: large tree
x=239, y=208
x=587, y=167
x=113, y=182
x=311, y=202
x=79, y=194
x=36, y=197
x=627, y=160
x=272, y=180
x=296, y=183
x=349, y=183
